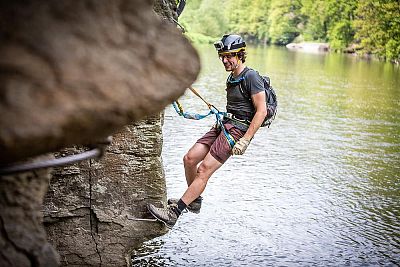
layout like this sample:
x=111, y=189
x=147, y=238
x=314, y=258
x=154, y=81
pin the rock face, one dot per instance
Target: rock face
x=166, y=9
x=72, y=72
x=22, y=237
x=90, y=206
x=75, y=71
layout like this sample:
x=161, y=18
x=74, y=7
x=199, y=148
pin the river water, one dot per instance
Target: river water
x=320, y=187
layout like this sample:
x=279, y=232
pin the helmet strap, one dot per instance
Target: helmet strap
x=238, y=61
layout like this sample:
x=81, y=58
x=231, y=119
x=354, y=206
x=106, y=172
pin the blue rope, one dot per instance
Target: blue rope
x=218, y=116
x=228, y=136
x=189, y=115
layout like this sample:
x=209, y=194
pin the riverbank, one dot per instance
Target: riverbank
x=308, y=47
x=312, y=47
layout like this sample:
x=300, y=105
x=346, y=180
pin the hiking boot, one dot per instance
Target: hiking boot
x=194, y=207
x=168, y=215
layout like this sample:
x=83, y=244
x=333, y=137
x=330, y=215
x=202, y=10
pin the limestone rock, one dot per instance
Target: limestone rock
x=90, y=206
x=22, y=239
x=309, y=47
x=72, y=72
x=166, y=9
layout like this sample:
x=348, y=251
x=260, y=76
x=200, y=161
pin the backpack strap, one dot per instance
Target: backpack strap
x=244, y=90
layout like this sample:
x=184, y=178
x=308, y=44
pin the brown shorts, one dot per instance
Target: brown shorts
x=216, y=140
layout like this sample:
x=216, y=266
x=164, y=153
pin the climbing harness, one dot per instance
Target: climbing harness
x=97, y=151
x=219, y=116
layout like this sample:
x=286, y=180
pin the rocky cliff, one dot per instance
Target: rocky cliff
x=71, y=73
x=90, y=208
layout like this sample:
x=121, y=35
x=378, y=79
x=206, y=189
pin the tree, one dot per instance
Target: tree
x=340, y=16
x=329, y=21
x=314, y=20
x=284, y=19
x=249, y=18
x=373, y=24
x=204, y=19
x=378, y=28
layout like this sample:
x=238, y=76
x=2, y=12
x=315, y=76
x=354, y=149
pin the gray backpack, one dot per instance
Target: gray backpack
x=271, y=99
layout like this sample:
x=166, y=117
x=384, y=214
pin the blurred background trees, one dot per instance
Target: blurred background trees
x=363, y=26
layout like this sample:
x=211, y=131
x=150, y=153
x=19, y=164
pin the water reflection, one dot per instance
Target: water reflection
x=321, y=187
x=146, y=255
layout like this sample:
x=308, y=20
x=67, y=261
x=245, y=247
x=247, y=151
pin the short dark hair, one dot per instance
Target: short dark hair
x=242, y=55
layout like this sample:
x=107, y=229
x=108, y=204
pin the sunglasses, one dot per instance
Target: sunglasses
x=227, y=56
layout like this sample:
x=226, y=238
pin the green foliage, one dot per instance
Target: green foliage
x=393, y=50
x=373, y=25
x=340, y=35
x=199, y=38
x=340, y=14
x=284, y=19
x=205, y=17
x=378, y=28
x=249, y=18
x=329, y=21
x=314, y=20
